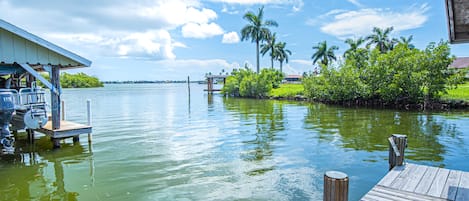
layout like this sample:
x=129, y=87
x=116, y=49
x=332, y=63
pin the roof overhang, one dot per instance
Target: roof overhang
x=82, y=62
x=457, y=12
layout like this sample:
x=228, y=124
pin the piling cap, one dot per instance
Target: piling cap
x=336, y=175
x=399, y=135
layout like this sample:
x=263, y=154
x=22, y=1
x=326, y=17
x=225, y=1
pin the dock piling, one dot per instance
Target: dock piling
x=397, y=145
x=335, y=186
x=88, y=112
x=63, y=110
x=189, y=86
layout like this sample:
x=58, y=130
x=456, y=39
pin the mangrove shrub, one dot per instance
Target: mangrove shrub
x=247, y=83
x=79, y=80
x=401, y=75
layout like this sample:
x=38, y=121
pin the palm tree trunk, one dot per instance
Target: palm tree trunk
x=281, y=67
x=257, y=54
x=272, y=57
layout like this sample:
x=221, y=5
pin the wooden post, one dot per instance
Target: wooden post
x=209, y=85
x=189, y=87
x=88, y=114
x=335, y=186
x=397, y=145
x=55, y=102
x=63, y=110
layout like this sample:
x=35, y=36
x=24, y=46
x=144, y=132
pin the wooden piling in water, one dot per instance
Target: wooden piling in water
x=63, y=110
x=88, y=113
x=335, y=186
x=55, y=97
x=397, y=145
x=189, y=87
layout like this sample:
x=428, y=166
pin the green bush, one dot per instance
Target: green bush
x=79, y=80
x=401, y=75
x=247, y=83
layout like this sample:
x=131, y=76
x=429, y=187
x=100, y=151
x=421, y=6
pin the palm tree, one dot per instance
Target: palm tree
x=269, y=46
x=323, y=53
x=281, y=54
x=257, y=29
x=380, y=37
x=354, y=45
x=407, y=41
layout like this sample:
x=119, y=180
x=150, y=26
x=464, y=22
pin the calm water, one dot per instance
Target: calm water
x=152, y=143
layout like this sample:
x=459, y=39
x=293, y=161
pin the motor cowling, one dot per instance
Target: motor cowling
x=7, y=108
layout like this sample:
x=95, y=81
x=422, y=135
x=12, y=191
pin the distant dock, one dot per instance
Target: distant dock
x=211, y=79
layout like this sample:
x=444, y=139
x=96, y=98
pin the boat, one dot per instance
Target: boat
x=21, y=109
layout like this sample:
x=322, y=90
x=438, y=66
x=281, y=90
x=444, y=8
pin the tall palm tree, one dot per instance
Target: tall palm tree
x=281, y=54
x=407, y=41
x=324, y=53
x=257, y=29
x=269, y=46
x=380, y=37
x=354, y=45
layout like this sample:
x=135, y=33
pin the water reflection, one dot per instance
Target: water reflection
x=266, y=119
x=37, y=172
x=368, y=129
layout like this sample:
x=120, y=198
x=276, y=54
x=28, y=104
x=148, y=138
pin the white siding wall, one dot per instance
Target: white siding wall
x=16, y=49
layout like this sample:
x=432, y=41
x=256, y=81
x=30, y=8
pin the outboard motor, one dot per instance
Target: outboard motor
x=7, y=108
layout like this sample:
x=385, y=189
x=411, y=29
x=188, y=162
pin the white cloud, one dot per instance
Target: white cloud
x=230, y=37
x=194, y=30
x=346, y=24
x=355, y=2
x=154, y=44
x=139, y=28
x=297, y=4
x=230, y=10
x=302, y=62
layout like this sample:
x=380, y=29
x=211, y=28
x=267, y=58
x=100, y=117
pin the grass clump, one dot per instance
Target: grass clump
x=460, y=93
x=287, y=91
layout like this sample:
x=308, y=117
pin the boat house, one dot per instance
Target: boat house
x=23, y=56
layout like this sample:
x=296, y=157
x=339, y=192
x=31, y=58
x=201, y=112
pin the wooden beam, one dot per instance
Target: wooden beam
x=55, y=97
x=38, y=76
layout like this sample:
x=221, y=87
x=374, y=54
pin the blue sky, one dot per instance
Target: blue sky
x=173, y=39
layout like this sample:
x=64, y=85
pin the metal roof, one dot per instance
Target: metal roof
x=457, y=13
x=56, y=55
x=460, y=62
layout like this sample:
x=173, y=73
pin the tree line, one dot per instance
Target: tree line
x=376, y=68
x=79, y=80
x=382, y=70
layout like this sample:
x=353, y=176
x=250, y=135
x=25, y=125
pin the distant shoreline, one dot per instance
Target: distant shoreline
x=152, y=82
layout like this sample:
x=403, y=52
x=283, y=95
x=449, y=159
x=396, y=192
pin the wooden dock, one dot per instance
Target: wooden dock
x=67, y=129
x=419, y=182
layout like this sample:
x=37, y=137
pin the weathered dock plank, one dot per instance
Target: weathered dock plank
x=463, y=190
x=420, y=183
x=414, y=178
x=401, y=180
x=439, y=182
x=451, y=186
x=67, y=129
x=385, y=193
x=427, y=180
x=391, y=176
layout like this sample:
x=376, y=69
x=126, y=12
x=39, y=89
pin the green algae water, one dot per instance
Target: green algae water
x=150, y=142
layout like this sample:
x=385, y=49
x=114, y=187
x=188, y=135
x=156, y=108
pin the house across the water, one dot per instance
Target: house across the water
x=461, y=63
x=292, y=78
